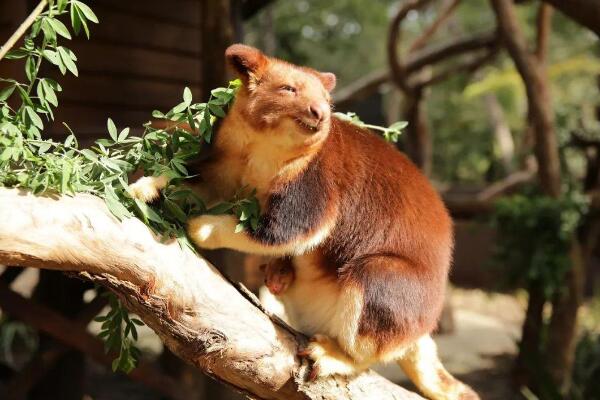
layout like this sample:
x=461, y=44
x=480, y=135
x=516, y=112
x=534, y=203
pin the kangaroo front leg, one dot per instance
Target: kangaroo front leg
x=218, y=231
x=422, y=365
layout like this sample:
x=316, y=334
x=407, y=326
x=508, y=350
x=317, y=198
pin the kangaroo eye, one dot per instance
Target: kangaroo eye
x=287, y=88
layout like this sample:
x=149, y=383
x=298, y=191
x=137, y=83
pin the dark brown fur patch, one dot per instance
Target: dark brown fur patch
x=397, y=304
x=295, y=209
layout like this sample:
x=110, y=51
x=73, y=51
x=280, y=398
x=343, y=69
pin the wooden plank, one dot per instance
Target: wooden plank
x=132, y=94
x=89, y=122
x=12, y=13
x=140, y=31
x=115, y=59
x=183, y=12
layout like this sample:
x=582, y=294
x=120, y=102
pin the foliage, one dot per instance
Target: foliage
x=12, y=334
x=584, y=376
x=115, y=330
x=391, y=133
x=342, y=36
x=41, y=165
x=534, y=237
x=321, y=34
x=586, y=368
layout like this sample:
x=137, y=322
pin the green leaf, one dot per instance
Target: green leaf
x=114, y=205
x=216, y=110
x=123, y=135
x=87, y=12
x=221, y=208
x=34, y=117
x=6, y=92
x=44, y=147
x=112, y=129
x=115, y=364
x=179, y=108
x=60, y=28
x=187, y=96
x=147, y=213
x=16, y=54
x=30, y=68
x=176, y=211
x=48, y=89
x=7, y=154
x=75, y=18
x=67, y=58
x=52, y=56
x=239, y=228
x=66, y=177
x=48, y=29
x=24, y=96
x=396, y=126
x=70, y=140
x=61, y=4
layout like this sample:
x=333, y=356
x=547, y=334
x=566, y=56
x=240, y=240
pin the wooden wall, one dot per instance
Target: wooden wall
x=139, y=58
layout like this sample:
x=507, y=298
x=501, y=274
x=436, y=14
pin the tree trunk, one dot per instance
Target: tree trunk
x=197, y=313
x=418, y=139
x=563, y=324
x=529, y=356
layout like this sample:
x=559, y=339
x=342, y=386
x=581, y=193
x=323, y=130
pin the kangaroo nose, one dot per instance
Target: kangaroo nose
x=317, y=111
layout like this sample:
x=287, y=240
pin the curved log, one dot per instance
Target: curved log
x=197, y=313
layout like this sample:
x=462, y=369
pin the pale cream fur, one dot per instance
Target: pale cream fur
x=424, y=368
x=148, y=188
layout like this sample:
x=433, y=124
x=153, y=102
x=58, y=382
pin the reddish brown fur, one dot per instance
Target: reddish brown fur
x=369, y=239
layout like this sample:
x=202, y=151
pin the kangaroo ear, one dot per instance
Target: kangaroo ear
x=246, y=61
x=328, y=79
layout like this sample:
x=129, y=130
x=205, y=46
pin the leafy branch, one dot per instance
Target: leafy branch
x=391, y=133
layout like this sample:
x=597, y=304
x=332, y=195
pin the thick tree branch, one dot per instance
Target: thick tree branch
x=482, y=202
x=440, y=20
x=364, y=87
x=197, y=313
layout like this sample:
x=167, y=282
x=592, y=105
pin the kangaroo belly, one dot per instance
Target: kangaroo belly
x=312, y=302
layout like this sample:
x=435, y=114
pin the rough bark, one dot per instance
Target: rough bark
x=197, y=313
